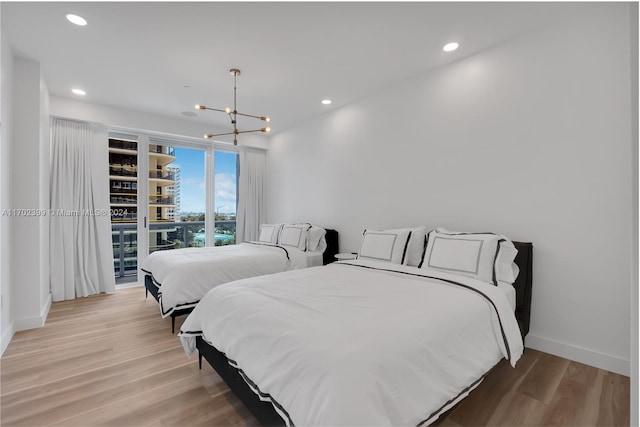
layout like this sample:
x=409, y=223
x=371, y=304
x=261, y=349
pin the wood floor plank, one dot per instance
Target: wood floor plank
x=53, y=408
x=516, y=409
x=614, y=400
x=568, y=399
x=543, y=378
x=478, y=407
x=110, y=360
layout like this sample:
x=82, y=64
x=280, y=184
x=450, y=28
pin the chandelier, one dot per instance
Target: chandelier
x=233, y=114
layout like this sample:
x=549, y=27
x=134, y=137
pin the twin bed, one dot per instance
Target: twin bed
x=179, y=278
x=395, y=337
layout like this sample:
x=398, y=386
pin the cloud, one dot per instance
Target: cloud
x=226, y=189
x=193, y=194
x=192, y=182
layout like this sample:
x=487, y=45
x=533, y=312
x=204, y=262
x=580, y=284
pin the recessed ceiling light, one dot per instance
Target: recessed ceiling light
x=326, y=101
x=450, y=47
x=78, y=20
x=78, y=91
x=189, y=114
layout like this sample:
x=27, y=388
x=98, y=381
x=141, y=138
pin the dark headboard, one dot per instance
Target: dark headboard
x=524, y=260
x=332, y=247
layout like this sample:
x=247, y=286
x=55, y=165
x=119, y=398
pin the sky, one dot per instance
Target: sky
x=192, y=180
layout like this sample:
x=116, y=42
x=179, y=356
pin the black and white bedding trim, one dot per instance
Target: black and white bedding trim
x=462, y=393
x=286, y=418
x=272, y=245
x=264, y=396
x=178, y=307
x=252, y=385
x=463, y=233
x=406, y=245
x=424, y=250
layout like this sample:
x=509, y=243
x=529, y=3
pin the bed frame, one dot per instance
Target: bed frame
x=327, y=257
x=264, y=411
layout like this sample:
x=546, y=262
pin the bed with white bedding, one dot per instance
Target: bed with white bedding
x=179, y=278
x=366, y=342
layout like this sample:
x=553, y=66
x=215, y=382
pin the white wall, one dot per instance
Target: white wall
x=530, y=138
x=30, y=297
x=6, y=88
x=110, y=116
x=44, y=165
x=633, y=24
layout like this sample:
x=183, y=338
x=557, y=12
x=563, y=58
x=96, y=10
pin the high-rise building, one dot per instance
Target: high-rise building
x=173, y=213
x=124, y=182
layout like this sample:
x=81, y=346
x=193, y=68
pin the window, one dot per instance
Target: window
x=168, y=194
x=226, y=197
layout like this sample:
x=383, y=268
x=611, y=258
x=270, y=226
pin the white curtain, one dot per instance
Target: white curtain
x=80, y=246
x=251, y=195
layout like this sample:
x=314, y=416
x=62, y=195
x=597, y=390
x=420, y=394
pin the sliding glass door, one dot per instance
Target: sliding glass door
x=168, y=194
x=123, y=193
x=177, y=197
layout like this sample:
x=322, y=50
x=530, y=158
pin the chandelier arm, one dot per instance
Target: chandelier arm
x=215, y=109
x=248, y=131
x=251, y=115
x=221, y=134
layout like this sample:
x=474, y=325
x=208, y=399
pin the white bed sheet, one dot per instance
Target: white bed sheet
x=353, y=344
x=510, y=293
x=184, y=276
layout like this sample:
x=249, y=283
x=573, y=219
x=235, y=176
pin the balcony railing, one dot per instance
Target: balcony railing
x=123, y=171
x=132, y=191
x=165, y=236
x=130, y=199
x=162, y=174
x=161, y=199
x=128, y=215
x=125, y=145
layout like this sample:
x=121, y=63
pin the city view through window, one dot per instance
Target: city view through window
x=176, y=200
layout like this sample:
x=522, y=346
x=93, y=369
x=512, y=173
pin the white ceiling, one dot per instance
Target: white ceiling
x=164, y=57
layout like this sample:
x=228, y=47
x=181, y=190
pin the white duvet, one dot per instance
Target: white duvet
x=185, y=275
x=353, y=344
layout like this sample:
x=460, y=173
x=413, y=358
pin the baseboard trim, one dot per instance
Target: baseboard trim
x=34, y=322
x=134, y=284
x=579, y=354
x=7, y=335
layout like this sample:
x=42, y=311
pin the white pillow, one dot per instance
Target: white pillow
x=316, y=235
x=471, y=255
x=385, y=245
x=269, y=233
x=415, y=249
x=506, y=269
x=295, y=236
x=322, y=246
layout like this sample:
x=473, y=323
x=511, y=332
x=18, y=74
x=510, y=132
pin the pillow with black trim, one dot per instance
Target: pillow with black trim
x=415, y=250
x=316, y=238
x=385, y=245
x=269, y=233
x=506, y=269
x=294, y=236
x=466, y=254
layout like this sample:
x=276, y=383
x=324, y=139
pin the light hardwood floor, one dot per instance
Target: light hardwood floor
x=111, y=360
